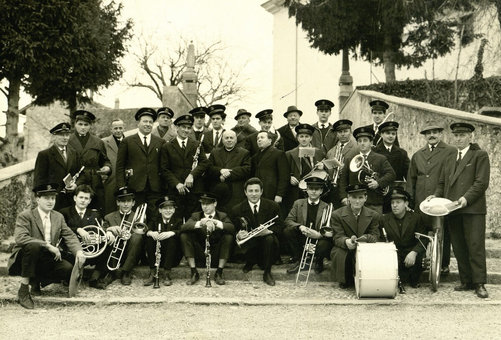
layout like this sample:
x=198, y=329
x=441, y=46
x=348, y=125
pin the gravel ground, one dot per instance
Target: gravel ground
x=185, y=321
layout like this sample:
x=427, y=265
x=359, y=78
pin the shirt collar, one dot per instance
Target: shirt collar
x=258, y=203
x=368, y=153
x=464, y=151
x=313, y=203
x=179, y=140
x=198, y=130
x=80, y=211
x=213, y=215
x=148, y=136
x=43, y=214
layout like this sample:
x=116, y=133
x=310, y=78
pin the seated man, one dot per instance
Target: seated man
x=36, y=255
x=400, y=226
x=113, y=224
x=351, y=224
x=193, y=236
x=304, y=220
x=79, y=216
x=263, y=248
x=166, y=231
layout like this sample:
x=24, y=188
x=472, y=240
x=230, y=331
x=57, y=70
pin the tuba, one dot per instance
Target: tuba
x=126, y=229
x=365, y=172
x=98, y=242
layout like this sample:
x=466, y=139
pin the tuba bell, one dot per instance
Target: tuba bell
x=365, y=173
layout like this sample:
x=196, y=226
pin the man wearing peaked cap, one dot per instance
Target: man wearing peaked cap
x=464, y=180
x=378, y=110
x=288, y=132
x=323, y=137
x=84, y=115
x=138, y=160
x=199, y=127
x=243, y=128
x=57, y=162
x=165, y=128
x=266, y=124
x=35, y=256
x=184, y=120
x=213, y=138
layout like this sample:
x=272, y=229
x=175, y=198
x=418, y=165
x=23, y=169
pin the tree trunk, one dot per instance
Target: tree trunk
x=72, y=106
x=388, y=60
x=10, y=153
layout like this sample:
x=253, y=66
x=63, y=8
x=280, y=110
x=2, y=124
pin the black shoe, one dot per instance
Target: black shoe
x=445, y=271
x=291, y=260
x=401, y=288
x=294, y=268
x=24, y=297
x=279, y=261
x=126, y=279
x=108, y=279
x=98, y=284
x=150, y=280
x=248, y=267
x=415, y=285
x=193, y=279
x=219, y=279
x=167, y=280
x=319, y=266
x=481, y=291
x=464, y=287
x=344, y=285
x=268, y=279
x=35, y=287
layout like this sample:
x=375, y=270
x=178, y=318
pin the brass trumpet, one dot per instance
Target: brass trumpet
x=365, y=172
x=338, y=156
x=256, y=231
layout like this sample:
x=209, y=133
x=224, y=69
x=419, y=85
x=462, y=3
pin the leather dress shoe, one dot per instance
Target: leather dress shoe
x=293, y=269
x=401, y=288
x=193, y=279
x=126, y=279
x=150, y=280
x=319, y=266
x=481, y=291
x=248, y=267
x=464, y=287
x=24, y=297
x=445, y=270
x=268, y=279
x=98, y=284
x=219, y=279
x=415, y=285
x=167, y=280
x=344, y=285
x=109, y=278
x=35, y=288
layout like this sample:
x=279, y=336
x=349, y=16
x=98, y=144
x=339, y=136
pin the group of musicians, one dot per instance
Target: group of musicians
x=182, y=189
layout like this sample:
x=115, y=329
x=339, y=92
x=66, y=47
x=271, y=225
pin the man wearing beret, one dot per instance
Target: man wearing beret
x=399, y=227
x=139, y=157
x=265, y=118
x=378, y=110
x=288, y=131
x=165, y=129
x=36, y=256
x=398, y=158
x=351, y=224
x=92, y=154
x=55, y=163
x=323, y=137
x=213, y=137
x=243, y=127
x=198, y=128
x=424, y=173
x=464, y=180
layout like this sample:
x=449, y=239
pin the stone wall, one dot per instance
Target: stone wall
x=413, y=116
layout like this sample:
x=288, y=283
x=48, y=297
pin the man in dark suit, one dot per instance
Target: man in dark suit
x=55, y=163
x=424, y=173
x=270, y=166
x=139, y=155
x=213, y=137
x=183, y=163
x=351, y=224
x=243, y=128
x=194, y=232
x=265, y=118
x=378, y=110
x=165, y=230
x=383, y=172
x=400, y=225
x=397, y=157
x=165, y=128
x=288, y=131
x=198, y=128
x=92, y=154
x=263, y=248
x=464, y=179
x=323, y=137
x=228, y=169
x=36, y=255
x=305, y=220
x=111, y=143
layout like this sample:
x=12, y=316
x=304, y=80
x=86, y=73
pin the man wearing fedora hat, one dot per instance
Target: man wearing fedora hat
x=243, y=127
x=213, y=137
x=55, y=163
x=464, y=180
x=36, y=256
x=323, y=136
x=165, y=129
x=199, y=127
x=288, y=131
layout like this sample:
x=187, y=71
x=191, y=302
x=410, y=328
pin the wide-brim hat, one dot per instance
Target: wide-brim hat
x=431, y=127
x=145, y=111
x=342, y=124
x=462, y=127
x=83, y=115
x=46, y=189
x=184, y=120
x=388, y=126
x=352, y=188
x=124, y=192
x=291, y=109
x=165, y=111
x=379, y=105
x=363, y=131
x=61, y=128
x=242, y=112
x=324, y=104
x=264, y=114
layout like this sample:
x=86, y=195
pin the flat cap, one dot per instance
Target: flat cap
x=45, y=189
x=431, y=127
x=217, y=109
x=265, y=114
x=462, y=127
x=304, y=128
x=207, y=197
x=388, y=126
x=399, y=192
x=124, y=192
x=164, y=202
x=352, y=188
x=199, y=111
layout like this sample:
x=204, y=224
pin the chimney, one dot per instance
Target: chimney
x=117, y=104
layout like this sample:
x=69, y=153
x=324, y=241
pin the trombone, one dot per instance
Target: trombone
x=365, y=172
x=255, y=231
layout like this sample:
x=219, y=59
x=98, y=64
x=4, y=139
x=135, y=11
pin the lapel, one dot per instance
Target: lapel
x=38, y=221
x=58, y=157
x=320, y=211
x=461, y=165
x=295, y=158
x=54, y=235
x=267, y=154
x=136, y=139
x=75, y=143
x=394, y=227
x=155, y=143
x=363, y=221
x=113, y=145
x=303, y=211
x=191, y=147
x=287, y=133
x=248, y=212
x=350, y=219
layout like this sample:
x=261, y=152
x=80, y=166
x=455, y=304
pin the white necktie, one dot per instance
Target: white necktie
x=46, y=228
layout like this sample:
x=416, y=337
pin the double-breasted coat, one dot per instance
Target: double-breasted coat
x=290, y=141
x=110, y=185
x=327, y=142
x=270, y=166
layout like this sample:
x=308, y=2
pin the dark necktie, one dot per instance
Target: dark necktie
x=210, y=217
x=183, y=146
x=322, y=126
x=63, y=152
x=389, y=149
x=255, y=211
x=145, y=142
x=432, y=147
x=342, y=146
x=217, y=138
x=458, y=160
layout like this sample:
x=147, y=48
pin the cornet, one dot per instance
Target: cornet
x=365, y=172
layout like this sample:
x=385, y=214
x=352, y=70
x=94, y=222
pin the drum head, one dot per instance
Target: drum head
x=438, y=206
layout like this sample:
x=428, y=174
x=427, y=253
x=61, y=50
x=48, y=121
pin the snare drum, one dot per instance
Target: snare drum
x=376, y=270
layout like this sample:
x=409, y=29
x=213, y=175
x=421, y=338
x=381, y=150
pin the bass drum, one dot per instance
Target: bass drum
x=376, y=270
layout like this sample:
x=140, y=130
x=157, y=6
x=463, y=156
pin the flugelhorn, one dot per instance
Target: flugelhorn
x=98, y=241
x=359, y=164
x=256, y=231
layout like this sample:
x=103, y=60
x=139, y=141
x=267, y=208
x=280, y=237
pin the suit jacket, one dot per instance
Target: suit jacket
x=73, y=220
x=228, y=226
x=268, y=209
x=328, y=141
x=398, y=158
x=50, y=167
x=470, y=179
x=242, y=133
x=403, y=237
x=424, y=171
x=176, y=164
x=297, y=215
x=114, y=219
x=349, y=151
x=208, y=142
x=174, y=224
x=110, y=185
x=251, y=143
x=29, y=229
x=145, y=163
x=169, y=135
x=295, y=166
x=290, y=141
x=270, y=166
x=197, y=135
x=377, y=137
x=238, y=160
x=380, y=165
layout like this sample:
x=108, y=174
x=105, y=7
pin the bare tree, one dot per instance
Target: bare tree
x=217, y=81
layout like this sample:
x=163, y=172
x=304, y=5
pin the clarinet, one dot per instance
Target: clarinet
x=197, y=154
x=207, y=260
x=158, y=257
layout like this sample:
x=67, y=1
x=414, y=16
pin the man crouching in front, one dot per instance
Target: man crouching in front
x=36, y=255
